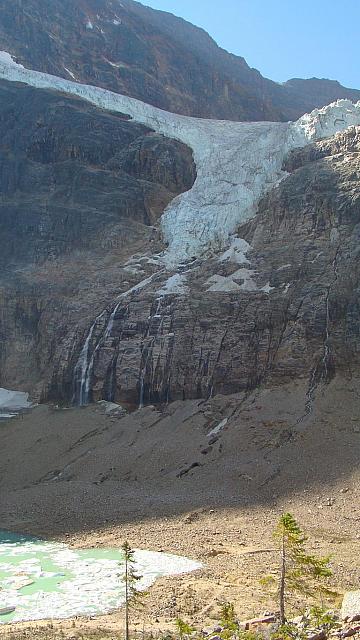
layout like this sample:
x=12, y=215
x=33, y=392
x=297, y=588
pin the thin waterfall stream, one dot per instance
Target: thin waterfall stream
x=83, y=371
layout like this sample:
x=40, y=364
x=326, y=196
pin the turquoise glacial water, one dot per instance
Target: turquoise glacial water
x=43, y=580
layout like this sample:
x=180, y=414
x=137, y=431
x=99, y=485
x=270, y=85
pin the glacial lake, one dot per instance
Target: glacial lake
x=43, y=580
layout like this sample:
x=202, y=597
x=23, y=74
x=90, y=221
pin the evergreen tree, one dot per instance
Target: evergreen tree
x=133, y=597
x=300, y=573
x=184, y=629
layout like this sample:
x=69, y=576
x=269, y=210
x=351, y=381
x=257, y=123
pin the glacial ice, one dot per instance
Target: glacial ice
x=236, y=253
x=176, y=284
x=237, y=162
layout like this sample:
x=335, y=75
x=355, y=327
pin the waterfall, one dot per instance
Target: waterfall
x=83, y=371
x=149, y=350
x=157, y=338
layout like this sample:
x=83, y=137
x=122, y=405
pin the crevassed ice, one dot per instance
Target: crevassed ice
x=237, y=163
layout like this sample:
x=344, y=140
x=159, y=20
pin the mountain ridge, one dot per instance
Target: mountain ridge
x=150, y=55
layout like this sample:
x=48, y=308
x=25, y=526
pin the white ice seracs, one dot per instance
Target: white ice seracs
x=237, y=162
x=326, y=122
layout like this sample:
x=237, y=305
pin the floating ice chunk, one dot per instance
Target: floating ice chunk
x=83, y=582
x=14, y=399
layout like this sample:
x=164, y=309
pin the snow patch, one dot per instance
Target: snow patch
x=245, y=275
x=241, y=280
x=286, y=287
x=222, y=284
x=70, y=73
x=89, y=25
x=218, y=428
x=236, y=252
x=117, y=65
x=6, y=58
x=237, y=162
x=175, y=285
x=268, y=288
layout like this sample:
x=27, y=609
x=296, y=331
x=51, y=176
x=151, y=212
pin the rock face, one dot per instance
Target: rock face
x=80, y=189
x=70, y=172
x=89, y=311
x=288, y=309
x=153, y=56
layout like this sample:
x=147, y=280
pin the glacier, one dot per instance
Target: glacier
x=237, y=162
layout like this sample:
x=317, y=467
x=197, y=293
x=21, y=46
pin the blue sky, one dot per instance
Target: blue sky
x=282, y=38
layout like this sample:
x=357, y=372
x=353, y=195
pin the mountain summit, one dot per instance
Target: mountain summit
x=153, y=56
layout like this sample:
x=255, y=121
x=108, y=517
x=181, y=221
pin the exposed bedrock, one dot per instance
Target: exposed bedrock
x=285, y=307
x=80, y=190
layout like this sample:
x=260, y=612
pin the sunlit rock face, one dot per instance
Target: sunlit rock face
x=153, y=56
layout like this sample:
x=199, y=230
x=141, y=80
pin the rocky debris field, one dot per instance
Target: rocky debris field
x=156, y=478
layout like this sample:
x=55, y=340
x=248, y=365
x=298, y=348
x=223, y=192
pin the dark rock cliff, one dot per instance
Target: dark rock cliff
x=79, y=189
x=299, y=319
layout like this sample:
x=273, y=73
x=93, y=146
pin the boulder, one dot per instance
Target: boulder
x=351, y=605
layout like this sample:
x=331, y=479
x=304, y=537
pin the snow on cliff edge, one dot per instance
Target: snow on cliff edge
x=237, y=162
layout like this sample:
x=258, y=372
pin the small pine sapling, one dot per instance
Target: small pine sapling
x=133, y=596
x=183, y=628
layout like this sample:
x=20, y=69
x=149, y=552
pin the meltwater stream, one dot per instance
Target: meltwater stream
x=41, y=580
